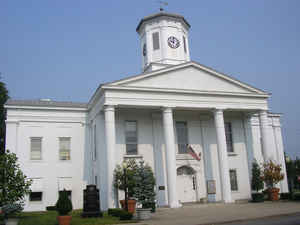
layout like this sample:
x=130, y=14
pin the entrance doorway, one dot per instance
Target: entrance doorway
x=186, y=184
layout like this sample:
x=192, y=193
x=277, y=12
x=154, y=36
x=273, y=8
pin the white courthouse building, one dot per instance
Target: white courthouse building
x=152, y=116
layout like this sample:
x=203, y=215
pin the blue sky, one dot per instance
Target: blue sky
x=63, y=49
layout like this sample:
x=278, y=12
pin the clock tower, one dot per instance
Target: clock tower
x=164, y=40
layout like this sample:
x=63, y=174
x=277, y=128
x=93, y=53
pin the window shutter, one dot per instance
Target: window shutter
x=64, y=148
x=36, y=148
x=155, y=37
x=184, y=44
x=182, y=139
x=131, y=137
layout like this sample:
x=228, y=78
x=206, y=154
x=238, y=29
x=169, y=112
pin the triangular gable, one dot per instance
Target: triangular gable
x=188, y=76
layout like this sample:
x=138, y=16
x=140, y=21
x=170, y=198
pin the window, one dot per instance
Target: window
x=155, y=37
x=64, y=148
x=182, y=137
x=233, y=180
x=184, y=44
x=35, y=148
x=228, y=134
x=35, y=196
x=69, y=193
x=131, y=137
x=95, y=142
x=96, y=180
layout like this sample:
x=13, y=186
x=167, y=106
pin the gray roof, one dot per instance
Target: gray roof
x=150, y=17
x=45, y=103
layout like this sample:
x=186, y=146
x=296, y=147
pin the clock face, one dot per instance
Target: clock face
x=173, y=42
x=144, y=50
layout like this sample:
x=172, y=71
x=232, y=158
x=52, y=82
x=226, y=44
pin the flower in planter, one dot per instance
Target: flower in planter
x=11, y=210
x=271, y=174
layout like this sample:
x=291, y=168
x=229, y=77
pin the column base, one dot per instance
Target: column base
x=175, y=205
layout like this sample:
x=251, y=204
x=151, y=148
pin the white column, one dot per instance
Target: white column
x=170, y=157
x=223, y=155
x=110, y=134
x=265, y=136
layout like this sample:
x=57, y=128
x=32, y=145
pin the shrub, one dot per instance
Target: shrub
x=124, y=215
x=257, y=197
x=51, y=208
x=114, y=212
x=256, y=182
x=285, y=196
x=63, y=204
x=296, y=196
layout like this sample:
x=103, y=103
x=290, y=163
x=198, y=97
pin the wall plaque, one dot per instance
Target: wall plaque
x=161, y=188
x=211, y=187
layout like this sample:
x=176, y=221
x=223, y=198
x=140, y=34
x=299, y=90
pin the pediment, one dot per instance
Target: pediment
x=190, y=77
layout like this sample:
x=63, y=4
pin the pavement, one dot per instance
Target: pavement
x=219, y=213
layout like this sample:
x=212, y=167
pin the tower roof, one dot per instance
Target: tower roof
x=162, y=14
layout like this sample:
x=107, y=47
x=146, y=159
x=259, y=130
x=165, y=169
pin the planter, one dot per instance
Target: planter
x=12, y=221
x=64, y=220
x=143, y=214
x=257, y=197
x=131, y=205
x=273, y=194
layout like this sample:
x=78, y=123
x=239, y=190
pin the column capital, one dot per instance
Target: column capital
x=167, y=109
x=108, y=108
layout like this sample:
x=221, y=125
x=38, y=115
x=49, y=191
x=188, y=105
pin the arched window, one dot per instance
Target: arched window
x=185, y=170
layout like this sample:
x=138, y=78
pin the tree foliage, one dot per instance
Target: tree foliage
x=124, y=177
x=145, y=182
x=256, y=182
x=14, y=184
x=3, y=98
x=271, y=173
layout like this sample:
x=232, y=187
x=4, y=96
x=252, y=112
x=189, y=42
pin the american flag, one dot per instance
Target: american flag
x=193, y=153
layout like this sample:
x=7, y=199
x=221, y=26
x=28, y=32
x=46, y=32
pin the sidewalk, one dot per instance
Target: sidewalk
x=219, y=213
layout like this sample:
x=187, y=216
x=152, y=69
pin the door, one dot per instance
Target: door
x=186, y=184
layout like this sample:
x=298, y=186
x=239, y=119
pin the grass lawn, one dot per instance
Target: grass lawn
x=49, y=218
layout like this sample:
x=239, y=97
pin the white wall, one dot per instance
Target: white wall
x=50, y=125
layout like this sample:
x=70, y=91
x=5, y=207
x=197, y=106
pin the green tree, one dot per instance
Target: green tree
x=256, y=182
x=144, y=189
x=3, y=98
x=14, y=184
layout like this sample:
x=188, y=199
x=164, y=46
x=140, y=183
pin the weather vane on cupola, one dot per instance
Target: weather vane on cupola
x=162, y=4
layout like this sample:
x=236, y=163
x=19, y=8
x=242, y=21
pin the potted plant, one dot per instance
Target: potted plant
x=271, y=175
x=14, y=185
x=124, y=180
x=257, y=183
x=64, y=207
x=144, y=190
x=11, y=212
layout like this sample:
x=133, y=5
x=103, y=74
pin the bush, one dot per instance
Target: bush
x=114, y=212
x=285, y=196
x=256, y=182
x=63, y=204
x=257, y=197
x=296, y=196
x=124, y=215
x=51, y=208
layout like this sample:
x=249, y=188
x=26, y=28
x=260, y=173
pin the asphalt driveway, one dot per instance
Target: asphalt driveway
x=197, y=214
